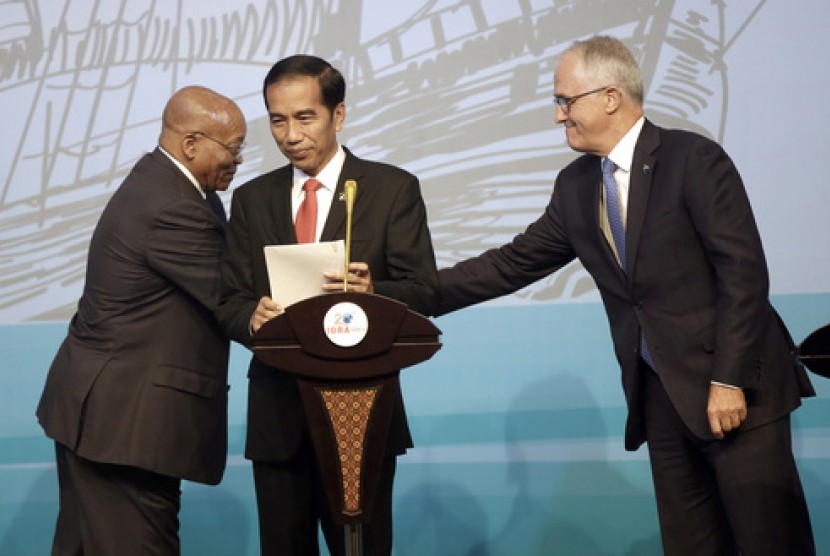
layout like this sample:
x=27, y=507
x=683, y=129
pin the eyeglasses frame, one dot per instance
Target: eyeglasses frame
x=565, y=103
x=234, y=152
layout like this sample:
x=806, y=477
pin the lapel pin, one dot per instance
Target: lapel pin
x=646, y=169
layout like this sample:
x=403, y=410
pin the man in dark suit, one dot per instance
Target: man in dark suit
x=708, y=370
x=304, y=96
x=136, y=398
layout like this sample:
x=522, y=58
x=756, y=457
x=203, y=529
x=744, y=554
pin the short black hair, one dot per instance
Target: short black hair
x=332, y=84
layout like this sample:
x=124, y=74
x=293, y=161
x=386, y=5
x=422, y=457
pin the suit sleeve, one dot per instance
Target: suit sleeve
x=239, y=297
x=185, y=247
x=723, y=218
x=540, y=250
x=410, y=274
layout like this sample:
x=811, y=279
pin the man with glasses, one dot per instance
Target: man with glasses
x=136, y=397
x=661, y=221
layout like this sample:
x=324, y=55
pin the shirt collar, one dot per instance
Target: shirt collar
x=327, y=177
x=623, y=153
x=186, y=172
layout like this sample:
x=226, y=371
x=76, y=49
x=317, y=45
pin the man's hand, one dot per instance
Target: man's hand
x=359, y=280
x=265, y=310
x=726, y=410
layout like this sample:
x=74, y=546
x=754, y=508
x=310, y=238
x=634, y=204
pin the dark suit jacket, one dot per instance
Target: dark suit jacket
x=696, y=282
x=141, y=378
x=389, y=232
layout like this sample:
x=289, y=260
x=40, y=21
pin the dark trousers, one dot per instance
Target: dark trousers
x=738, y=496
x=291, y=503
x=114, y=510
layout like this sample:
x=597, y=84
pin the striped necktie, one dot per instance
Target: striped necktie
x=615, y=221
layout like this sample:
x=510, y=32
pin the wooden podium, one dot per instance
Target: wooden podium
x=347, y=350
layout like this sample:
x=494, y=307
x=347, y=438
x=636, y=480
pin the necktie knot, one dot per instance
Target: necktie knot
x=311, y=185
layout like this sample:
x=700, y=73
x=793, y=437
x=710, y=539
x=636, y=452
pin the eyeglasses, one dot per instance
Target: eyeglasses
x=235, y=152
x=565, y=102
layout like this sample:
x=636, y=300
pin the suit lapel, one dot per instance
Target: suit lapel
x=642, y=172
x=336, y=220
x=280, y=201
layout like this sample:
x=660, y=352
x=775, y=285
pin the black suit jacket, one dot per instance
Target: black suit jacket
x=389, y=232
x=141, y=378
x=696, y=282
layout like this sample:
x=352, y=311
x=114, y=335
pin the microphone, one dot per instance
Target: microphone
x=351, y=191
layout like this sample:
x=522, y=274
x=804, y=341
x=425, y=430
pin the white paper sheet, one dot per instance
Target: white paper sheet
x=295, y=271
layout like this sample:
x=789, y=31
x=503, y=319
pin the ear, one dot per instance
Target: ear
x=613, y=100
x=188, y=146
x=339, y=116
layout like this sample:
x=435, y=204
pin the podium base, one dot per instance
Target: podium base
x=354, y=539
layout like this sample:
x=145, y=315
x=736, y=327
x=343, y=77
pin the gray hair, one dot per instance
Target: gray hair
x=609, y=61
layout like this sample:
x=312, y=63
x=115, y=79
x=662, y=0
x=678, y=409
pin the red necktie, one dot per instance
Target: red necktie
x=305, y=225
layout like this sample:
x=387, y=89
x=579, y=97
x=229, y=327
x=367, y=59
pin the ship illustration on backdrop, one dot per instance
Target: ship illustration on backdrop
x=458, y=92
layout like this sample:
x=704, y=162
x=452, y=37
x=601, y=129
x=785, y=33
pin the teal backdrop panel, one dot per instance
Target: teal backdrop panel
x=517, y=421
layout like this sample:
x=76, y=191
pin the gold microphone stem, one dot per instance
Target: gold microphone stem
x=348, y=251
x=351, y=187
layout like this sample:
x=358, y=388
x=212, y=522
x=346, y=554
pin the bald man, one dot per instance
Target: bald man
x=136, y=397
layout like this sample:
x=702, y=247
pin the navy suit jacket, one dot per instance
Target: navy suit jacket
x=389, y=233
x=141, y=378
x=696, y=284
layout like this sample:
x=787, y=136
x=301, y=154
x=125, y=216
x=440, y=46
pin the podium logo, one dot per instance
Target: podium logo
x=345, y=324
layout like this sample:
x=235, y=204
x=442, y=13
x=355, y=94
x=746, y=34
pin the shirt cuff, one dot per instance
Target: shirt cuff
x=732, y=386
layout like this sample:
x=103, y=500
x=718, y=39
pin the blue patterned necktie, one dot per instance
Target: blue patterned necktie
x=615, y=221
x=612, y=205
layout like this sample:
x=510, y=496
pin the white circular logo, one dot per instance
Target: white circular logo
x=346, y=324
